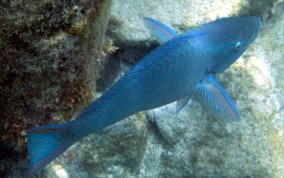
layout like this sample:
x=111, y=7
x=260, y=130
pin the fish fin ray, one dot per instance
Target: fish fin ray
x=181, y=103
x=216, y=100
x=162, y=32
x=45, y=143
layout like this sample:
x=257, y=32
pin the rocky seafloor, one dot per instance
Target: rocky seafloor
x=160, y=143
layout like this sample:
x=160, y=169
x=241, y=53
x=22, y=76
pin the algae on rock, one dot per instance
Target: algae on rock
x=50, y=59
x=50, y=56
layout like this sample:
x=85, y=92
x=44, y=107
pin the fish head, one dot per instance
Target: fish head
x=228, y=38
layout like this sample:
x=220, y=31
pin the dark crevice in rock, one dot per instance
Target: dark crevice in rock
x=264, y=9
x=109, y=74
x=158, y=135
x=129, y=53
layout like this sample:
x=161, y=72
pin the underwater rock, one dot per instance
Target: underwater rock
x=50, y=56
x=176, y=14
x=128, y=31
x=170, y=125
x=51, y=53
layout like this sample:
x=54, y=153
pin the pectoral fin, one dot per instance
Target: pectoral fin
x=181, y=103
x=216, y=100
x=162, y=32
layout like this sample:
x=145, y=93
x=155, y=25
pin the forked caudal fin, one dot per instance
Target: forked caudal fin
x=45, y=143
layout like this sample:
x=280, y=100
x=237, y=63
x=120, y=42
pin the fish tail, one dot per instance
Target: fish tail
x=45, y=143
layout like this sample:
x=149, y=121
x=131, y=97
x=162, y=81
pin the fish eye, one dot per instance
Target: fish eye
x=238, y=45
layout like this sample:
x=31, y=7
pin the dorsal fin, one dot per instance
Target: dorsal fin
x=161, y=31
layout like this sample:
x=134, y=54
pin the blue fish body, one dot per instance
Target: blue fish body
x=182, y=66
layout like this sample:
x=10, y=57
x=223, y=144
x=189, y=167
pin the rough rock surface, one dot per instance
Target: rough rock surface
x=50, y=55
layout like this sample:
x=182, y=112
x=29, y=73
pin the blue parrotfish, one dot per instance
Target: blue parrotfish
x=182, y=66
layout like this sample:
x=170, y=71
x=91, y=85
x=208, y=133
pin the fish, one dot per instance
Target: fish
x=182, y=66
